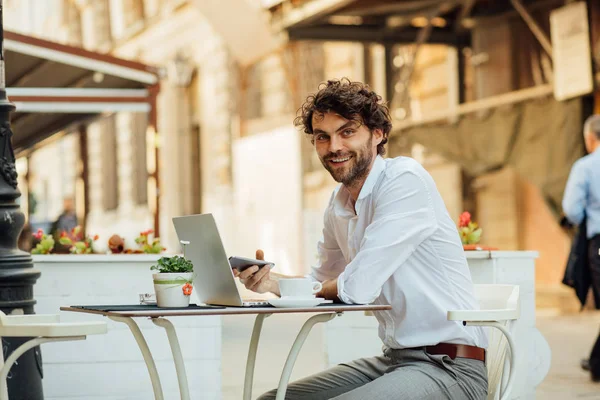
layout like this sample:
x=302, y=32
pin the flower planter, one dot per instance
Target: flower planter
x=111, y=366
x=172, y=289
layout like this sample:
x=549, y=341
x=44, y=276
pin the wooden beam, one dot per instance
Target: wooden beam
x=395, y=8
x=477, y=105
x=533, y=26
x=84, y=173
x=372, y=34
x=153, y=122
x=390, y=79
x=22, y=79
x=310, y=11
x=465, y=12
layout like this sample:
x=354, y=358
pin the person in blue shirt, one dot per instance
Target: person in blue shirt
x=582, y=200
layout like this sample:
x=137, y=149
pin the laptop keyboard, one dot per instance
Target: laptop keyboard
x=257, y=305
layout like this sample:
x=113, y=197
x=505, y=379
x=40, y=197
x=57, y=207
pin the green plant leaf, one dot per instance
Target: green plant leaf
x=173, y=264
x=475, y=236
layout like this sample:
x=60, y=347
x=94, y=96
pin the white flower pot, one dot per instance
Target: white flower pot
x=169, y=289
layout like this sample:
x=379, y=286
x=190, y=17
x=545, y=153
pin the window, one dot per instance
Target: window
x=110, y=178
x=127, y=16
x=193, y=96
x=133, y=12
x=252, y=86
x=139, y=173
x=96, y=25
x=72, y=20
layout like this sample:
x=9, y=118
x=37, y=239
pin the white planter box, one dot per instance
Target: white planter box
x=355, y=335
x=111, y=366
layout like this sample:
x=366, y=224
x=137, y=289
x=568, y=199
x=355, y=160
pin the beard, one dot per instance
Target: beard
x=355, y=169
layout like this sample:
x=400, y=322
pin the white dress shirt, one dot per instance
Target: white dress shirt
x=398, y=245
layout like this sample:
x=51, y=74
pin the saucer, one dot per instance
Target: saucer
x=297, y=302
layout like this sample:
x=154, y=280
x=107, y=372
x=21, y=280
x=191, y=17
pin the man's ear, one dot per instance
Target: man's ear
x=378, y=135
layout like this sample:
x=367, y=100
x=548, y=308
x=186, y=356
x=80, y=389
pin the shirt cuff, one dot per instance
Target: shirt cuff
x=340, y=288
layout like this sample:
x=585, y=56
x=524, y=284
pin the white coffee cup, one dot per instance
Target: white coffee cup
x=299, y=287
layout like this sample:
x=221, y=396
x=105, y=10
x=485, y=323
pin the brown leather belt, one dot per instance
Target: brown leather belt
x=457, y=350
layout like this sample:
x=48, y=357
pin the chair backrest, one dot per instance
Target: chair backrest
x=493, y=297
x=497, y=297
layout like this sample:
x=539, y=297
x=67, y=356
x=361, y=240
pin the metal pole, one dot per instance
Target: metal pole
x=17, y=275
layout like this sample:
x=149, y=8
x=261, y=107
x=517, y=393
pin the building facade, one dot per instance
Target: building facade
x=225, y=137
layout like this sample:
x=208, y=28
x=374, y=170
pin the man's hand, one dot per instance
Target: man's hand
x=258, y=279
x=329, y=291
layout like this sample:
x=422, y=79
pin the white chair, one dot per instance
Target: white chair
x=499, y=308
x=42, y=328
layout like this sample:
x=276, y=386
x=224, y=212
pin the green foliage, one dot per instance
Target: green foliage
x=45, y=246
x=78, y=242
x=470, y=234
x=147, y=246
x=32, y=203
x=173, y=264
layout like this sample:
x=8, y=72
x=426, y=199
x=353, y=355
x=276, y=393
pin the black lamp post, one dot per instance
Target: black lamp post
x=17, y=275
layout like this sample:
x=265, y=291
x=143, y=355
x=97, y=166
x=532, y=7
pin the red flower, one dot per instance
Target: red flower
x=148, y=232
x=63, y=234
x=39, y=234
x=464, y=219
x=96, y=237
x=187, y=289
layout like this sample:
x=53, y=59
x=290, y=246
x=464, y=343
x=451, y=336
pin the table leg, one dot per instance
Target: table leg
x=19, y=352
x=251, y=361
x=177, y=357
x=296, y=347
x=141, y=342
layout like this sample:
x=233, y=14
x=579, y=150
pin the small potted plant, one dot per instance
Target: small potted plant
x=45, y=243
x=78, y=242
x=470, y=232
x=149, y=246
x=173, y=282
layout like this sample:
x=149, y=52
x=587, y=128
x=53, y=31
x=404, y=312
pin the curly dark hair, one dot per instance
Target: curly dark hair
x=353, y=101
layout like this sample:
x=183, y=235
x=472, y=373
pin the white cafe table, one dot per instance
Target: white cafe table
x=159, y=316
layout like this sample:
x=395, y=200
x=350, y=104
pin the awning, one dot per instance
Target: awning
x=251, y=39
x=55, y=86
x=386, y=21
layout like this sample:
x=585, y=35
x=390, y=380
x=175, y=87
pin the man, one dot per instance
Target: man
x=67, y=220
x=387, y=239
x=582, y=200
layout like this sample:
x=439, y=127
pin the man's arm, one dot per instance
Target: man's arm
x=575, y=194
x=404, y=217
x=331, y=261
x=330, y=291
x=261, y=279
x=330, y=264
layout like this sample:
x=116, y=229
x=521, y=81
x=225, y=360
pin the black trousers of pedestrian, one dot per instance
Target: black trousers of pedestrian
x=594, y=262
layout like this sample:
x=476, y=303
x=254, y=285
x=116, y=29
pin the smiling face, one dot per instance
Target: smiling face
x=346, y=148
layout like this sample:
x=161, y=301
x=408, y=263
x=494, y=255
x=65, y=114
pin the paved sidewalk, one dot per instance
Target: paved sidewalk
x=571, y=338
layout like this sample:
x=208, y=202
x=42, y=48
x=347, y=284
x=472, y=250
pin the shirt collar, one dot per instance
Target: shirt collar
x=342, y=202
x=376, y=170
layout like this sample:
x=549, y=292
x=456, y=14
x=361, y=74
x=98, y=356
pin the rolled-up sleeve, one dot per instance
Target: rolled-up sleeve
x=403, y=218
x=575, y=194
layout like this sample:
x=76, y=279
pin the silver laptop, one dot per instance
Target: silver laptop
x=214, y=282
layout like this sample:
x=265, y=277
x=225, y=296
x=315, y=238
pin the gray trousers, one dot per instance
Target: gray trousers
x=397, y=374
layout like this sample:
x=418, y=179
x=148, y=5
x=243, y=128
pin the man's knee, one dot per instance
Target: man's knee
x=270, y=395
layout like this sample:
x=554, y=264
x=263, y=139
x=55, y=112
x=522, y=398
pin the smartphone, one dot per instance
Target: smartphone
x=242, y=263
